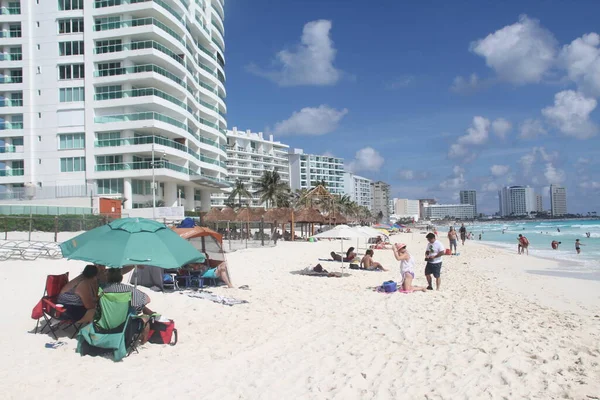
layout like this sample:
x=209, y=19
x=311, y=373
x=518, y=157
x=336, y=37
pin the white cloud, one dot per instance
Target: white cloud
x=456, y=181
x=554, y=175
x=499, y=170
x=366, y=159
x=590, y=185
x=466, y=85
x=328, y=154
x=581, y=59
x=457, y=150
x=490, y=187
x=570, y=114
x=401, y=82
x=311, y=121
x=477, y=134
x=409, y=174
x=458, y=170
x=527, y=162
x=501, y=127
x=532, y=128
x=311, y=63
x=519, y=53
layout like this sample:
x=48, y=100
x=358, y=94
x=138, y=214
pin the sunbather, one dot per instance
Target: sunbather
x=80, y=296
x=367, y=262
x=219, y=272
x=350, y=255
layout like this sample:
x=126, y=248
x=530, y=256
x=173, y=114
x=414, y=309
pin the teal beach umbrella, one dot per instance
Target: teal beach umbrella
x=132, y=241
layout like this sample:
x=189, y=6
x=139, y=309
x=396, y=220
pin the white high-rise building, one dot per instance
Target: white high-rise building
x=517, y=200
x=93, y=91
x=558, y=200
x=448, y=211
x=469, y=197
x=249, y=155
x=358, y=188
x=308, y=169
x=405, y=208
x=539, y=203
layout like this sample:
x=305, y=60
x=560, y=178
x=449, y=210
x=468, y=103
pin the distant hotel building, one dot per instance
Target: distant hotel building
x=380, y=200
x=308, y=169
x=422, y=202
x=539, y=203
x=249, y=155
x=469, y=197
x=405, y=208
x=97, y=98
x=448, y=211
x=517, y=200
x=359, y=189
x=558, y=200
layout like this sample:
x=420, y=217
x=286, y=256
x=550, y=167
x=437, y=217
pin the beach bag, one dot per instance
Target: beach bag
x=389, y=286
x=163, y=332
x=354, y=266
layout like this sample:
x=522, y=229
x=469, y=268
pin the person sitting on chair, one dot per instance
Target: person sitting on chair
x=367, y=262
x=350, y=255
x=219, y=272
x=80, y=296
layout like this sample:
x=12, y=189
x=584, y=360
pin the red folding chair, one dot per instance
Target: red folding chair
x=46, y=308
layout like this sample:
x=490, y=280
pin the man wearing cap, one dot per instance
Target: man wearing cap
x=433, y=255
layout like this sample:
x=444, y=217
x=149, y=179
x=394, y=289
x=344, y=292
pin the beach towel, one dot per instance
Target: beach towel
x=379, y=289
x=310, y=272
x=228, y=301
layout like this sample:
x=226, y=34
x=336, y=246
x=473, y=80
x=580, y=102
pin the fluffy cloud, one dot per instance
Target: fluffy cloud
x=554, y=175
x=499, y=170
x=477, y=134
x=456, y=181
x=410, y=175
x=532, y=128
x=366, y=159
x=311, y=121
x=501, y=127
x=311, y=63
x=581, y=59
x=519, y=53
x=490, y=187
x=589, y=185
x=570, y=114
x=466, y=85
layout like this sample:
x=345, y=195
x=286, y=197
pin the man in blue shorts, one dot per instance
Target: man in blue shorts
x=433, y=255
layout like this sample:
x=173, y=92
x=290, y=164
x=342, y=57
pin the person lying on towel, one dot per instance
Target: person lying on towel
x=350, y=255
x=367, y=262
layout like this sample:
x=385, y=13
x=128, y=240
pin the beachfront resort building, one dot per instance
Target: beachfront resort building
x=517, y=200
x=249, y=155
x=358, y=188
x=558, y=200
x=380, y=202
x=448, y=211
x=469, y=197
x=307, y=170
x=422, y=203
x=103, y=98
x=405, y=208
x=539, y=203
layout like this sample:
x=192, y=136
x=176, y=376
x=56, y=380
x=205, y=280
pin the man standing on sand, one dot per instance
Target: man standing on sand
x=463, y=233
x=433, y=255
x=523, y=246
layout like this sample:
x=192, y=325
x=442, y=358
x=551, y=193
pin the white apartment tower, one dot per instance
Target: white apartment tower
x=358, y=188
x=517, y=200
x=308, y=169
x=558, y=200
x=103, y=97
x=381, y=200
x=249, y=155
x=469, y=197
x=539, y=203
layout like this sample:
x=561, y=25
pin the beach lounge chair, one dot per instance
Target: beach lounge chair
x=48, y=310
x=115, y=329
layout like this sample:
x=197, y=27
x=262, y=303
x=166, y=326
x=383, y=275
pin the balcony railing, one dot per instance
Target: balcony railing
x=10, y=125
x=142, y=116
x=12, y=172
x=9, y=148
x=11, y=103
x=218, y=46
x=11, y=79
x=137, y=165
x=218, y=28
x=10, y=10
x=141, y=140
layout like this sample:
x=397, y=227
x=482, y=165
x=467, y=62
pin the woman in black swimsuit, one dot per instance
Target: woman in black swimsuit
x=80, y=296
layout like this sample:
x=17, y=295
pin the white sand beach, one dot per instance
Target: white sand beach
x=502, y=327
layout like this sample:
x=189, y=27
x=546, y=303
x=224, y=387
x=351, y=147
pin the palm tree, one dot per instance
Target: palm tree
x=239, y=190
x=299, y=199
x=271, y=188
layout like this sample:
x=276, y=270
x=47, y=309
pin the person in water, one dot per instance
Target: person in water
x=577, y=246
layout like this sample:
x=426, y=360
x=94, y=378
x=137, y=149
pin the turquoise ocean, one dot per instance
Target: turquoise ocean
x=541, y=234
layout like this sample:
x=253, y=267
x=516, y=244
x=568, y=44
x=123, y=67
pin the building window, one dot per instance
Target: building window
x=72, y=164
x=71, y=71
x=71, y=95
x=109, y=139
x=110, y=186
x=69, y=141
x=108, y=46
x=102, y=24
x=141, y=187
x=71, y=25
x=15, y=31
x=73, y=48
x=66, y=5
x=107, y=3
x=181, y=192
x=109, y=92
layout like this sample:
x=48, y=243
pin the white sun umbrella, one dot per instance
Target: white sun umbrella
x=342, y=232
x=373, y=233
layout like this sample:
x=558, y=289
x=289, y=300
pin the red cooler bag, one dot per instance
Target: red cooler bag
x=163, y=332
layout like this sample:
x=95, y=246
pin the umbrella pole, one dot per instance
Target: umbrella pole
x=136, y=275
x=342, y=241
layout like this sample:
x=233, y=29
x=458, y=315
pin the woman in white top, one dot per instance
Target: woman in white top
x=407, y=268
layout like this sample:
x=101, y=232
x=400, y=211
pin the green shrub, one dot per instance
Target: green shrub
x=49, y=223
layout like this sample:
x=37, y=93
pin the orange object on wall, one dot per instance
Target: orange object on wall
x=110, y=207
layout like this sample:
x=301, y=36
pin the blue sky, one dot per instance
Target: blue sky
x=430, y=96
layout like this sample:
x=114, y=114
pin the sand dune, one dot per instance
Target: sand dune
x=300, y=337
